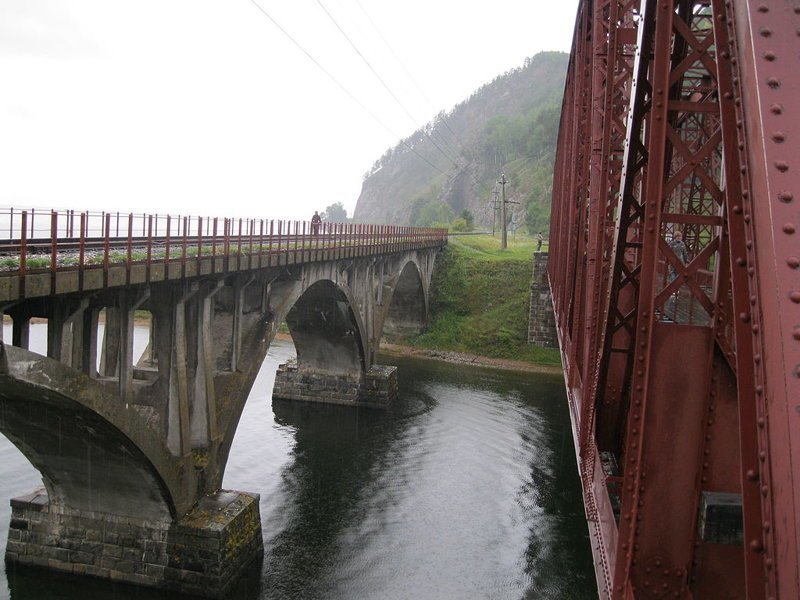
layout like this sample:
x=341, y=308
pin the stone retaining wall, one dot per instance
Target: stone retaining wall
x=203, y=553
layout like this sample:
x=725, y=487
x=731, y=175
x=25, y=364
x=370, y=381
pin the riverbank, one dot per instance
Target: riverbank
x=452, y=357
x=469, y=359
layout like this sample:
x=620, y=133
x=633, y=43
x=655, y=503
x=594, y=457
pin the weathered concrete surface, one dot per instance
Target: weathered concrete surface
x=149, y=442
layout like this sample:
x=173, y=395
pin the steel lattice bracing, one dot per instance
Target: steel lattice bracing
x=683, y=357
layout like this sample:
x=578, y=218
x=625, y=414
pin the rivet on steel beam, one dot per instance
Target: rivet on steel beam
x=795, y=297
x=766, y=526
x=776, y=109
x=782, y=166
x=793, y=262
x=737, y=209
x=773, y=82
x=753, y=300
x=762, y=456
x=757, y=357
x=741, y=145
x=770, y=56
x=749, y=244
x=756, y=546
x=743, y=169
x=761, y=422
x=752, y=475
x=764, y=490
x=796, y=333
x=751, y=271
x=768, y=564
x=765, y=31
x=778, y=137
x=744, y=317
x=763, y=8
x=785, y=197
x=741, y=261
x=788, y=228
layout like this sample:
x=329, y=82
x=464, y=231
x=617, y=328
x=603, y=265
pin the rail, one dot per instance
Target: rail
x=67, y=240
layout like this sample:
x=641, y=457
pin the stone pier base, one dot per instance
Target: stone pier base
x=542, y=321
x=378, y=387
x=203, y=553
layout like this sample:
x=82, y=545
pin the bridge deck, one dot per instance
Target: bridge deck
x=86, y=251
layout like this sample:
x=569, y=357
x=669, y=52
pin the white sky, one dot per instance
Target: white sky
x=205, y=107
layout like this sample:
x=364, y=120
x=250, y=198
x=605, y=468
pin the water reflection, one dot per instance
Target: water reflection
x=465, y=488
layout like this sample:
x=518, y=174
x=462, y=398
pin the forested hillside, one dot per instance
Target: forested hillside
x=451, y=166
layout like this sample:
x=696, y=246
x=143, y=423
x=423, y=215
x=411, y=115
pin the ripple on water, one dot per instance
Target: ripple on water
x=465, y=488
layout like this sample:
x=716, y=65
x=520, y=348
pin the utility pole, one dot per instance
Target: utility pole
x=494, y=206
x=503, y=232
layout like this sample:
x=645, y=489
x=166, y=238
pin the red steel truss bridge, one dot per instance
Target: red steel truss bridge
x=681, y=118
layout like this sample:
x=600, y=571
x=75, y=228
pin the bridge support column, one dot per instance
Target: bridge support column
x=377, y=387
x=203, y=553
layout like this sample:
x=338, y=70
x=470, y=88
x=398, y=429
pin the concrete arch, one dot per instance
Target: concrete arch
x=407, y=305
x=86, y=461
x=327, y=330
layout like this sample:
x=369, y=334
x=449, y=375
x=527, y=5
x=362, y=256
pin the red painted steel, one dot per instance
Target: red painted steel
x=682, y=358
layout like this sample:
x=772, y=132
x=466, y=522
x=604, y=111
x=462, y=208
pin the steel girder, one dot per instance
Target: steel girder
x=682, y=364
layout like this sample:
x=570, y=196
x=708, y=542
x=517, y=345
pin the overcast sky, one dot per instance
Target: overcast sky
x=206, y=107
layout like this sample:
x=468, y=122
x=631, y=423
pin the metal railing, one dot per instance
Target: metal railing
x=61, y=240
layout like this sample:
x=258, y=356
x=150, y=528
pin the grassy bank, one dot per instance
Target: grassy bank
x=480, y=301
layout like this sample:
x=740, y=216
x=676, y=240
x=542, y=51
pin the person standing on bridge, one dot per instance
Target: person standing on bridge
x=315, y=222
x=539, y=240
x=679, y=248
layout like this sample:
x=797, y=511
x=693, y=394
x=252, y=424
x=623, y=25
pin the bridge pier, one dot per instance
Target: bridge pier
x=203, y=553
x=377, y=387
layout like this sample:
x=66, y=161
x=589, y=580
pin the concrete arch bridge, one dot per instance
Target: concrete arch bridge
x=132, y=450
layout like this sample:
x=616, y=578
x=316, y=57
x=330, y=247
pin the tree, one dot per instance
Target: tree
x=469, y=219
x=335, y=213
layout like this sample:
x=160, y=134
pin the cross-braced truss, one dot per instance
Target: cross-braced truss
x=674, y=268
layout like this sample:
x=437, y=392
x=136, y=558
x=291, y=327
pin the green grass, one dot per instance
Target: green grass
x=480, y=300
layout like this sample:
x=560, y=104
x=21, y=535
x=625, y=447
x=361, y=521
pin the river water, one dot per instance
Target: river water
x=465, y=488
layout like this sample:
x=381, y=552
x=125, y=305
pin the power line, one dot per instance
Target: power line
x=383, y=82
x=410, y=76
x=341, y=86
